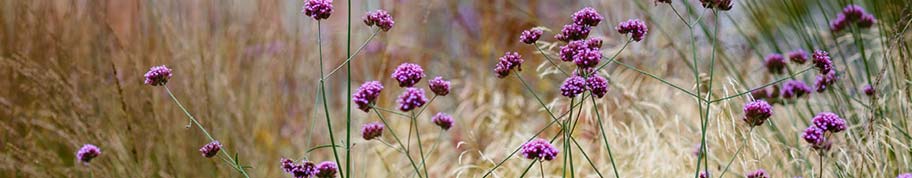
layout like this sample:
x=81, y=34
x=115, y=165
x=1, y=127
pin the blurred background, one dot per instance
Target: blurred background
x=72, y=73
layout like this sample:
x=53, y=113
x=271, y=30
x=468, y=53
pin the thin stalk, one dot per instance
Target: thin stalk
x=587, y=157
x=348, y=95
x=712, y=69
x=550, y=60
x=542, y=168
x=737, y=153
x=629, y=40
x=390, y=111
x=393, y=132
x=332, y=138
x=356, y=53
x=420, y=146
x=762, y=86
x=657, y=78
x=567, y=137
x=604, y=138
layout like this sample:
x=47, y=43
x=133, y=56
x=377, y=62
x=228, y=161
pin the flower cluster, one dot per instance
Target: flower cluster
x=704, y=174
x=209, y=150
x=825, y=80
x=868, y=90
x=598, y=85
x=905, y=175
x=509, y=61
x=380, y=18
x=756, y=112
x=87, y=153
x=852, y=14
x=318, y=9
x=794, y=88
x=587, y=58
x=412, y=98
x=306, y=169
x=571, y=50
x=770, y=94
x=635, y=27
x=158, y=75
x=574, y=85
x=539, y=149
x=775, y=63
x=587, y=16
x=530, y=36
x=443, y=120
x=367, y=94
x=326, y=169
x=583, y=21
x=798, y=56
x=372, y=130
x=439, y=86
x=759, y=173
x=408, y=74
x=824, y=65
x=823, y=123
x=724, y=5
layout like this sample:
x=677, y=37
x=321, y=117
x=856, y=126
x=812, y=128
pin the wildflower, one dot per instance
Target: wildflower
x=539, y=149
x=439, y=86
x=813, y=135
x=756, y=112
x=717, y=4
x=572, y=32
x=412, y=98
x=839, y=23
x=304, y=170
x=318, y=9
x=598, y=85
x=326, y=169
x=408, y=74
x=372, y=130
x=633, y=26
x=824, y=81
x=905, y=175
x=853, y=12
x=530, y=36
x=367, y=94
x=704, y=174
x=594, y=43
x=287, y=165
x=574, y=85
x=829, y=121
x=775, y=63
x=866, y=21
x=158, y=75
x=587, y=16
x=868, y=90
x=443, y=120
x=567, y=52
x=380, y=18
x=509, y=61
x=798, y=56
x=209, y=150
x=822, y=61
x=795, y=88
x=87, y=153
x=759, y=173
x=587, y=58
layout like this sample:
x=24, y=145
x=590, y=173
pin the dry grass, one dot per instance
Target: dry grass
x=72, y=74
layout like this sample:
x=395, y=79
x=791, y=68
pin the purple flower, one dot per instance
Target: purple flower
x=635, y=27
x=828, y=121
x=587, y=16
x=439, y=86
x=287, y=165
x=87, y=153
x=567, y=52
x=813, y=135
x=380, y=18
x=759, y=173
x=530, y=36
x=304, y=170
x=539, y=149
x=326, y=169
x=408, y=74
x=412, y=98
x=587, y=58
x=598, y=85
x=853, y=12
x=839, y=23
x=717, y=4
x=572, y=32
x=775, y=63
x=795, y=88
x=697, y=149
x=756, y=112
x=372, y=130
x=443, y=120
x=318, y=9
x=824, y=81
x=574, y=85
x=798, y=56
x=905, y=175
x=367, y=94
x=209, y=150
x=594, y=43
x=822, y=61
x=158, y=75
x=509, y=61
x=704, y=174
x=866, y=21
x=868, y=90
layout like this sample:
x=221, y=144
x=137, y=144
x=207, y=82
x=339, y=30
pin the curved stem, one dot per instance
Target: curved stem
x=657, y=78
x=332, y=138
x=549, y=59
x=629, y=40
x=353, y=55
x=393, y=133
x=604, y=138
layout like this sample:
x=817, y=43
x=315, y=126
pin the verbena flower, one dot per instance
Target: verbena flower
x=704, y=174
x=209, y=150
x=824, y=81
x=509, y=61
x=327, y=169
x=635, y=27
x=87, y=153
x=798, y=56
x=905, y=175
x=839, y=23
x=756, y=112
x=287, y=165
x=866, y=21
x=318, y=9
x=380, y=18
x=829, y=121
x=439, y=86
x=795, y=88
x=372, y=130
x=587, y=16
x=717, y=4
x=813, y=135
x=853, y=12
x=572, y=32
x=365, y=96
x=775, y=63
x=530, y=36
x=868, y=90
x=822, y=61
x=594, y=43
x=567, y=52
x=412, y=98
x=598, y=85
x=574, y=85
x=539, y=149
x=759, y=173
x=304, y=170
x=158, y=75
x=408, y=74
x=443, y=120
x=587, y=58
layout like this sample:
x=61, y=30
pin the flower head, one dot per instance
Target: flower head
x=367, y=94
x=822, y=61
x=824, y=81
x=87, y=153
x=509, y=61
x=209, y=150
x=594, y=43
x=287, y=165
x=530, y=36
x=828, y=121
x=759, y=173
x=866, y=21
x=704, y=174
x=408, y=74
x=813, y=135
x=574, y=85
x=158, y=75
x=380, y=18
x=572, y=32
x=439, y=86
x=412, y=98
x=868, y=90
x=839, y=23
x=443, y=120
x=775, y=63
x=853, y=12
x=372, y=130
x=567, y=52
x=756, y=112
x=795, y=88
x=635, y=27
x=905, y=175
x=326, y=169
x=598, y=85
x=587, y=16
x=587, y=58
x=539, y=149
x=318, y=9
x=798, y=56
x=717, y=4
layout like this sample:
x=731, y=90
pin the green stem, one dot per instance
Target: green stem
x=657, y=78
x=629, y=40
x=550, y=60
x=736, y=152
x=420, y=146
x=393, y=132
x=332, y=138
x=762, y=86
x=348, y=108
x=353, y=55
x=604, y=138
x=587, y=157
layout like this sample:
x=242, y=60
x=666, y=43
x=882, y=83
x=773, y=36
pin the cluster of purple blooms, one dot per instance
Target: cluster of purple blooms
x=408, y=74
x=372, y=130
x=852, y=14
x=439, y=86
x=905, y=175
x=380, y=18
x=757, y=112
x=795, y=88
x=209, y=150
x=635, y=27
x=87, y=153
x=158, y=75
x=570, y=51
x=583, y=21
x=574, y=85
x=775, y=63
x=759, y=173
x=824, y=65
x=508, y=62
x=367, y=94
x=868, y=90
x=530, y=36
x=307, y=169
x=539, y=149
x=445, y=121
x=798, y=56
x=823, y=124
x=318, y=9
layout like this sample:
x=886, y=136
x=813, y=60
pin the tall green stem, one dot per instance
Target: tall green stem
x=348, y=90
x=393, y=132
x=604, y=137
x=332, y=138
